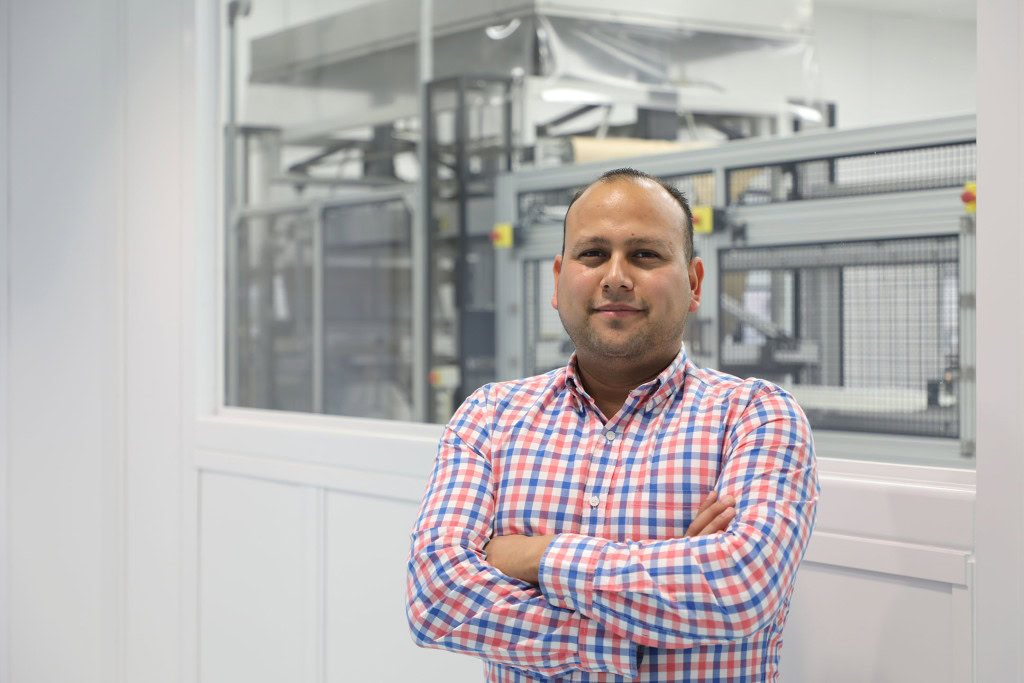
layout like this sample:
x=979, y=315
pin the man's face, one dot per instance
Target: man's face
x=623, y=286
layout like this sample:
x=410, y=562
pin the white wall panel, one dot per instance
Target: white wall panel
x=258, y=584
x=1000, y=336
x=153, y=110
x=846, y=625
x=367, y=633
x=871, y=562
x=65, y=383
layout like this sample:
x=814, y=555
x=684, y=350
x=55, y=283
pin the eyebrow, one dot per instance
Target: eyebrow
x=595, y=241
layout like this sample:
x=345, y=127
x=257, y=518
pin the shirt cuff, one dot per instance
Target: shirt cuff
x=566, y=578
x=567, y=569
x=600, y=650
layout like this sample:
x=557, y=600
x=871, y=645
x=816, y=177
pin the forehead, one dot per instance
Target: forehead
x=636, y=205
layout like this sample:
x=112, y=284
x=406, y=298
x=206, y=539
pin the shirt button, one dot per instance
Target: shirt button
x=594, y=501
x=610, y=436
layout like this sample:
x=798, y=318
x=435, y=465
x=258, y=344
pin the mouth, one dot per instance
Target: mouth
x=617, y=311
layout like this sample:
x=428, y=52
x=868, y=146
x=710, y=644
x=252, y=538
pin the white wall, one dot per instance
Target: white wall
x=65, y=266
x=92, y=321
x=879, y=62
x=303, y=558
x=1000, y=510
x=886, y=67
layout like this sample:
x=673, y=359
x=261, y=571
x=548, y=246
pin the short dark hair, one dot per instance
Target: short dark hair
x=635, y=175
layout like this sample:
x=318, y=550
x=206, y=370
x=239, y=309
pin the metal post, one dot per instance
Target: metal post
x=462, y=243
x=422, y=346
x=508, y=125
x=236, y=9
x=319, y=330
x=967, y=399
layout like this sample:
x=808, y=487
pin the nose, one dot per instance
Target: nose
x=616, y=274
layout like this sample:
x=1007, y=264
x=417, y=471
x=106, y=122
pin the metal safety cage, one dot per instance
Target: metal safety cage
x=863, y=333
x=468, y=126
x=320, y=306
x=932, y=166
x=856, y=296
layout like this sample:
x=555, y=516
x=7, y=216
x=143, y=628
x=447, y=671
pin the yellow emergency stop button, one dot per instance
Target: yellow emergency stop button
x=703, y=219
x=501, y=235
x=970, y=197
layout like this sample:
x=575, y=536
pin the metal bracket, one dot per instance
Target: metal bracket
x=968, y=448
x=968, y=223
x=968, y=300
x=968, y=372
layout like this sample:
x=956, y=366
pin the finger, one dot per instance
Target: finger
x=708, y=512
x=719, y=523
x=706, y=503
x=704, y=518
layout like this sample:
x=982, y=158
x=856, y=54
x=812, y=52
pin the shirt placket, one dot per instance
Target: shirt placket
x=604, y=446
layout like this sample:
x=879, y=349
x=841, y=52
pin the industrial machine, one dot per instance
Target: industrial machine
x=335, y=112
x=840, y=266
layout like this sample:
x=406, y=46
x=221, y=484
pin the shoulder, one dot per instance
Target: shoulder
x=503, y=400
x=745, y=402
x=722, y=387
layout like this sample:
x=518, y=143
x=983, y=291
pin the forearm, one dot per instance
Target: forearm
x=676, y=593
x=681, y=592
x=460, y=603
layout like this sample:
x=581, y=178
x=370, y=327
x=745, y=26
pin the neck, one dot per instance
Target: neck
x=609, y=383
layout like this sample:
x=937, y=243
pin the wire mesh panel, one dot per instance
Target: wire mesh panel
x=698, y=188
x=865, y=334
x=550, y=205
x=367, y=309
x=271, y=298
x=921, y=168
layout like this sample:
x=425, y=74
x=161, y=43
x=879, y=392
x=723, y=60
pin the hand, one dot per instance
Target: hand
x=713, y=515
x=518, y=556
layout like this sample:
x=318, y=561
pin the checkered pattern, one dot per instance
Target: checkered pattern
x=623, y=594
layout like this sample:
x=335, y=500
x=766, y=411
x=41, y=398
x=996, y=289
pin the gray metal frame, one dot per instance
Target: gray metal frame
x=902, y=214
x=315, y=209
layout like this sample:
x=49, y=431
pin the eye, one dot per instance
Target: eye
x=645, y=254
x=591, y=253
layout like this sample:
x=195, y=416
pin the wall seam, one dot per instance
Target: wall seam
x=198, y=84
x=120, y=455
x=184, y=549
x=5, y=335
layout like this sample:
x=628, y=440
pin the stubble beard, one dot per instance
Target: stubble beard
x=638, y=345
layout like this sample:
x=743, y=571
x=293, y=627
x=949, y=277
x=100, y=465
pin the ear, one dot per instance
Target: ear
x=696, y=272
x=556, y=269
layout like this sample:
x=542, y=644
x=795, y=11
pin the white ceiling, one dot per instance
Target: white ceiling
x=959, y=10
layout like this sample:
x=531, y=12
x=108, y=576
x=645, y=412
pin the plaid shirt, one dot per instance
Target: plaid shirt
x=623, y=594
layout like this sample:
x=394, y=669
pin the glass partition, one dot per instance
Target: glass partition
x=374, y=269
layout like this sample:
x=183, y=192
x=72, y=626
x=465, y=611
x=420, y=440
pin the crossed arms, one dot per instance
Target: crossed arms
x=519, y=556
x=554, y=604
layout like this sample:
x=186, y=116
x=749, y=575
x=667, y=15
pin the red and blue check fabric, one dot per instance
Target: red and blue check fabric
x=623, y=594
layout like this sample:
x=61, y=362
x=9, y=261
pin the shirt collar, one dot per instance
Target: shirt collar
x=651, y=394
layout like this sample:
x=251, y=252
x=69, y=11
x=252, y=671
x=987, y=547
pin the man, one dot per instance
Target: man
x=629, y=516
